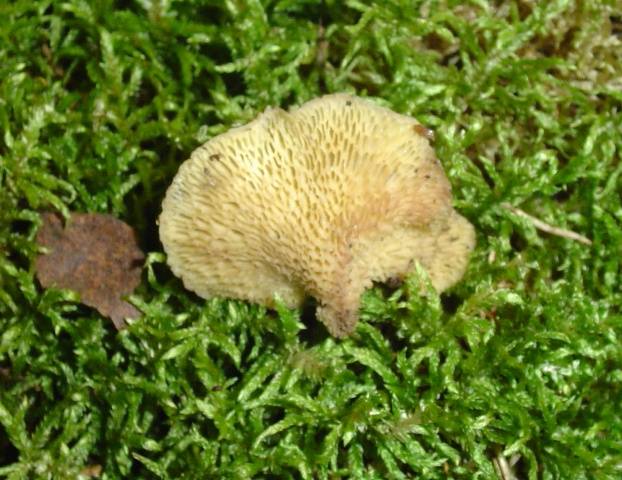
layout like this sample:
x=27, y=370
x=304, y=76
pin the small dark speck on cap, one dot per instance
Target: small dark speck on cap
x=214, y=156
x=424, y=132
x=348, y=102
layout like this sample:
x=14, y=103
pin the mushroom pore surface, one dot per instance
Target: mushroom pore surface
x=322, y=200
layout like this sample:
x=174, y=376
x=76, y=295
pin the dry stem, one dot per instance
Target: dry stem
x=545, y=227
x=503, y=468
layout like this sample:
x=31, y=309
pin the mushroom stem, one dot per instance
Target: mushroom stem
x=339, y=324
x=339, y=299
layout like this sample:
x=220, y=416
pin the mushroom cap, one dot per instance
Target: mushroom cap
x=321, y=200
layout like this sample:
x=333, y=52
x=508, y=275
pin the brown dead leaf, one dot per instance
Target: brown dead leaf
x=95, y=255
x=92, y=471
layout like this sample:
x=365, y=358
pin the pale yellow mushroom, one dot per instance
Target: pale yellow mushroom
x=322, y=200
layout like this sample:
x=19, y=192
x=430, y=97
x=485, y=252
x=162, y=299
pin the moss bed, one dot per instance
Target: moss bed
x=514, y=373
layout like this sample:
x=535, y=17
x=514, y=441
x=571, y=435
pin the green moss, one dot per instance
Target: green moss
x=520, y=365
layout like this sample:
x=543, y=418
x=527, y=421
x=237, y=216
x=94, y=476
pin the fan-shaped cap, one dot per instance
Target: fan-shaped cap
x=322, y=200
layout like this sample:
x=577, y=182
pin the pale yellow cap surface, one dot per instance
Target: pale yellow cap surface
x=322, y=201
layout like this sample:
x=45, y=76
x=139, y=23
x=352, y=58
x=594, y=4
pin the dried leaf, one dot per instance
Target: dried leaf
x=91, y=471
x=95, y=255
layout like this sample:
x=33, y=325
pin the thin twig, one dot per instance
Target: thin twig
x=545, y=227
x=503, y=468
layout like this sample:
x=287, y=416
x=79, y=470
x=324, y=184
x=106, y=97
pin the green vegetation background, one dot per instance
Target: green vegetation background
x=515, y=372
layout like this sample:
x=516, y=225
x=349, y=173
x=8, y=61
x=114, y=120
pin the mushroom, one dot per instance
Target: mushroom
x=322, y=200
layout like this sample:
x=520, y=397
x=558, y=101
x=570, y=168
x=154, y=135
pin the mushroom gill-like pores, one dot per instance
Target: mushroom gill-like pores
x=322, y=200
